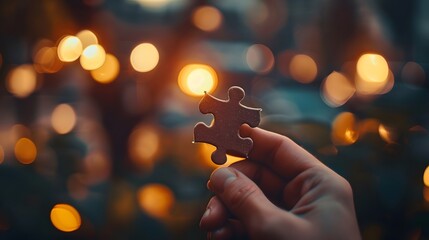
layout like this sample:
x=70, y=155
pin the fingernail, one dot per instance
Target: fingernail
x=220, y=178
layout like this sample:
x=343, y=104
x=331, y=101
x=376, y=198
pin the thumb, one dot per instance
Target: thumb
x=243, y=198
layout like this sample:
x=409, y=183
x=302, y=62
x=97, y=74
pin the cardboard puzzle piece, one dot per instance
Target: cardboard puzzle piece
x=223, y=133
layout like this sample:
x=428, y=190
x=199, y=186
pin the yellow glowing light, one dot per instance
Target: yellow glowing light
x=426, y=177
x=344, y=129
x=65, y=218
x=108, y=71
x=63, y=118
x=156, y=199
x=206, y=151
x=46, y=60
x=303, y=68
x=25, y=151
x=22, y=81
x=87, y=38
x=337, y=89
x=207, y=18
x=69, y=49
x=386, y=133
x=1, y=155
x=144, y=146
x=153, y=4
x=259, y=58
x=195, y=79
x=372, y=68
x=93, y=57
x=144, y=57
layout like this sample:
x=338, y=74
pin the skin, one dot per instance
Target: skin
x=280, y=192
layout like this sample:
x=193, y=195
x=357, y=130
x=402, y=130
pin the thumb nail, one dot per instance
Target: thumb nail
x=220, y=178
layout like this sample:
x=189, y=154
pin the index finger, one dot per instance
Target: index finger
x=278, y=152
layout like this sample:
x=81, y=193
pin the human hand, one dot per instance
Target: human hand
x=280, y=192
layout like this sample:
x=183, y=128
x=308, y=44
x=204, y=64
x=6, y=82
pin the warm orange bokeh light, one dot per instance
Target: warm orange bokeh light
x=260, y=58
x=303, y=68
x=65, y=218
x=344, y=129
x=156, y=200
x=207, y=18
x=206, y=151
x=195, y=79
x=144, y=146
x=372, y=74
x=144, y=57
x=426, y=177
x=387, y=134
x=69, y=49
x=63, y=118
x=22, y=81
x=25, y=151
x=87, y=38
x=92, y=57
x=1, y=155
x=372, y=68
x=46, y=60
x=337, y=89
x=108, y=71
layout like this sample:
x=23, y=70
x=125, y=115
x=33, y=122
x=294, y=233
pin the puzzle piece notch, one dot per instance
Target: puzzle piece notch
x=229, y=115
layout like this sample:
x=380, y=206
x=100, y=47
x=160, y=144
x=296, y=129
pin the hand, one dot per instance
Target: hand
x=280, y=192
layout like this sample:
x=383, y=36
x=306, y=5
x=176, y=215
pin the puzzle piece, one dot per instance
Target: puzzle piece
x=229, y=115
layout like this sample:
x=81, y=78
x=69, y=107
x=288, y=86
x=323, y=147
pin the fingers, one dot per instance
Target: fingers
x=215, y=216
x=241, y=196
x=278, y=152
x=269, y=182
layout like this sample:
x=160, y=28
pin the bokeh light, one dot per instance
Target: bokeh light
x=22, y=81
x=69, y=49
x=156, y=200
x=153, y=4
x=144, y=146
x=344, y=129
x=108, y=71
x=260, y=58
x=386, y=133
x=337, y=89
x=372, y=68
x=372, y=74
x=1, y=155
x=426, y=177
x=63, y=118
x=46, y=60
x=25, y=151
x=92, y=57
x=207, y=18
x=144, y=57
x=303, y=68
x=65, y=217
x=206, y=151
x=87, y=38
x=195, y=79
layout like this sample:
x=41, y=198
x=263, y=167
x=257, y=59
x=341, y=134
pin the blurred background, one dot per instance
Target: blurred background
x=98, y=99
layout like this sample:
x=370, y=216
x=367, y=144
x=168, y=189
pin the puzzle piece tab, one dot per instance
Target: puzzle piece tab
x=229, y=115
